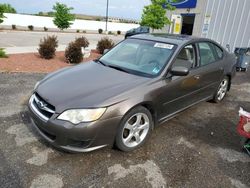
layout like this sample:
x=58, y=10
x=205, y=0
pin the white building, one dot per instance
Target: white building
x=225, y=21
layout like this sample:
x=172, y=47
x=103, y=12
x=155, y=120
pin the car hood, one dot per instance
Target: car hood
x=87, y=85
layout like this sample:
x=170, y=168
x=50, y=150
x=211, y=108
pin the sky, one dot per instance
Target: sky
x=131, y=9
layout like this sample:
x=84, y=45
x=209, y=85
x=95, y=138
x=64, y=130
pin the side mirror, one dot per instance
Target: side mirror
x=105, y=51
x=179, y=71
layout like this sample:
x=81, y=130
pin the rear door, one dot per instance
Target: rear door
x=211, y=68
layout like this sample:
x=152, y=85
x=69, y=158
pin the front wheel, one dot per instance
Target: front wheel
x=134, y=129
x=222, y=90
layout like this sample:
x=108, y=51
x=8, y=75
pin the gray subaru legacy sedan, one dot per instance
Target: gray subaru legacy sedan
x=121, y=97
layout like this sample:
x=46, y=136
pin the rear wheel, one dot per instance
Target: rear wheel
x=222, y=90
x=134, y=129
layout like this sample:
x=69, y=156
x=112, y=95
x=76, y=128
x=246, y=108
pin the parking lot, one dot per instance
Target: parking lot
x=28, y=41
x=198, y=148
x=28, y=38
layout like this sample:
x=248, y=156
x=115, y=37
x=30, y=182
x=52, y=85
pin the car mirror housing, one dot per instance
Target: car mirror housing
x=179, y=71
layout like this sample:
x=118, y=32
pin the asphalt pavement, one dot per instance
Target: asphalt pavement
x=198, y=148
x=28, y=41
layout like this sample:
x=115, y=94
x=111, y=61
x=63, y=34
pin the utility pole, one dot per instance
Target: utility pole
x=107, y=15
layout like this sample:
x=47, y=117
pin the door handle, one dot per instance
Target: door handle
x=197, y=77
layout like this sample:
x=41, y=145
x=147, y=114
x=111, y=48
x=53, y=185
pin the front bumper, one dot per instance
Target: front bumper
x=83, y=137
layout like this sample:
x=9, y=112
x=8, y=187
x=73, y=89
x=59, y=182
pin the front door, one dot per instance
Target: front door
x=180, y=91
x=187, y=24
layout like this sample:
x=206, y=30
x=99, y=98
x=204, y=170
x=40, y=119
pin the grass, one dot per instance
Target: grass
x=2, y=53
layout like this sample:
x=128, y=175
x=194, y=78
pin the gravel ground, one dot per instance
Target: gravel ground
x=198, y=148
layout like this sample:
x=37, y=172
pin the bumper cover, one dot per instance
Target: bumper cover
x=83, y=137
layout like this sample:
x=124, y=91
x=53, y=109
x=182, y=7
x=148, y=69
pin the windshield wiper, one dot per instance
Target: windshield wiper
x=111, y=66
x=118, y=68
x=100, y=62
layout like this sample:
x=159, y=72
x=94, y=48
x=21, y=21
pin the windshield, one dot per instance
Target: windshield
x=139, y=57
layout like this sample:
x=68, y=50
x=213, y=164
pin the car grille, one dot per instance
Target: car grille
x=42, y=108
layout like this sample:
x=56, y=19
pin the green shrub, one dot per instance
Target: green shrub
x=119, y=32
x=73, y=53
x=82, y=42
x=110, y=33
x=31, y=27
x=100, y=31
x=45, y=28
x=77, y=30
x=13, y=27
x=84, y=31
x=47, y=47
x=2, y=53
x=104, y=43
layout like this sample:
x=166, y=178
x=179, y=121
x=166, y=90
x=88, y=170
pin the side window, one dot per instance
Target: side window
x=186, y=57
x=218, y=51
x=206, y=54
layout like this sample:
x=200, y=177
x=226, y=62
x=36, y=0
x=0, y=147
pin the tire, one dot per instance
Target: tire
x=222, y=90
x=132, y=132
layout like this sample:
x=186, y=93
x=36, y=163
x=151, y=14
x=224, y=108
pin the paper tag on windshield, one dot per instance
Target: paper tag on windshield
x=163, y=45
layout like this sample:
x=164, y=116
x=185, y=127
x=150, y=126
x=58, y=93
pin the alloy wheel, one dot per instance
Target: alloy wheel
x=222, y=89
x=135, y=130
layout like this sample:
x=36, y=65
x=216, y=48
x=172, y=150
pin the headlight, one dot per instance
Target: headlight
x=246, y=63
x=76, y=116
x=36, y=85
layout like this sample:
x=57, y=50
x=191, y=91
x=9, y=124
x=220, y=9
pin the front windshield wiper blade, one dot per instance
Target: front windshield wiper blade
x=100, y=62
x=111, y=66
x=118, y=68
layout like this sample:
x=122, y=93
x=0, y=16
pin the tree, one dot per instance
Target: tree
x=154, y=15
x=40, y=14
x=1, y=14
x=51, y=13
x=63, y=17
x=7, y=8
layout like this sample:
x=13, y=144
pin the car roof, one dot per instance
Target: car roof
x=167, y=38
